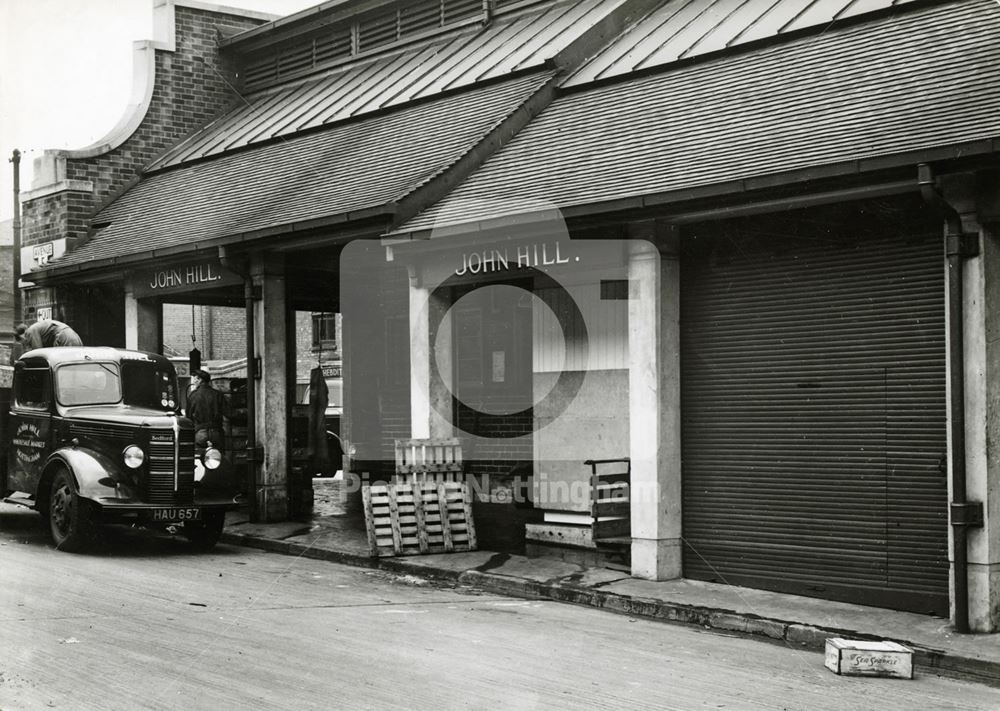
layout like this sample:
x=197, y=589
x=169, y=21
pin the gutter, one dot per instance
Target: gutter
x=964, y=514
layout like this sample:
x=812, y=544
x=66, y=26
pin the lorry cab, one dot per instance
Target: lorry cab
x=95, y=435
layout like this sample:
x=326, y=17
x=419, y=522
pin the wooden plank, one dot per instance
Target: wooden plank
x=445, y=523
x=610, y=508
x=611, y=478
x=418, y=510
x=611, y=529
x=366, y=498
x=397, y=543
x=469, y=521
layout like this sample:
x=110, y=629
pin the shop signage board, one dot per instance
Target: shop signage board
x=35, y=256
x=181, y=277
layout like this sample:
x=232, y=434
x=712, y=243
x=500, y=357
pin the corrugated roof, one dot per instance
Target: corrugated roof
x=348, y=168
x=681, y=29
x=924, y=79
x=518, y=43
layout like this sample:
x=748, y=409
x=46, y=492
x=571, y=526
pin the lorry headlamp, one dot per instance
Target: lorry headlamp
x=133, y=456
x=212, y=458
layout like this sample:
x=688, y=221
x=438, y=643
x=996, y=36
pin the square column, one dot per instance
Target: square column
x=143, y=324
x=982, y=419
x=272, y=401
x=430, y=363
x=654, y=403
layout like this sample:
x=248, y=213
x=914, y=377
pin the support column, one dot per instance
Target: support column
x=143, y=324
x=982, y=417
x=272, y=405
x=654, y=403
x=430, y=363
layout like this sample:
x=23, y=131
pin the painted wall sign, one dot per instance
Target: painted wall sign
x=201, y=274
x=508, y=258
x=36, y=256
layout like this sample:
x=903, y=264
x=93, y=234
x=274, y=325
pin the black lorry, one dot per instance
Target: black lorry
x=96, y=435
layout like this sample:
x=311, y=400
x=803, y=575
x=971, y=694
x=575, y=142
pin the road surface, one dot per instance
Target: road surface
x=147, y=624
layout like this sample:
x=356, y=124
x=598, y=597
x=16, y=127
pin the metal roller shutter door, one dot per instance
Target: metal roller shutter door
x=814, y=418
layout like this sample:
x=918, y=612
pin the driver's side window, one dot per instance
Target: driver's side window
x=34, y=389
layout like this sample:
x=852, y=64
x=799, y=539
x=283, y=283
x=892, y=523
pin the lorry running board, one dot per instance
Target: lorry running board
x=20, y=501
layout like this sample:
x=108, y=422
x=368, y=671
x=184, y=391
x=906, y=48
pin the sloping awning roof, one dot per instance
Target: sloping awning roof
x=681, y=29
x=887, y=90
x=347, y=171
x=512, y=44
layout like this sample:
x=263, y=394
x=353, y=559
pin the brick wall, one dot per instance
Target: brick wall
x=192, y=86
x=220, y=331
x=220, y=334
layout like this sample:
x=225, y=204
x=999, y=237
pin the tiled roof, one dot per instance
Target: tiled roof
x=511, y=44
x=682, y=29
x=925, y=79
x=341, y=171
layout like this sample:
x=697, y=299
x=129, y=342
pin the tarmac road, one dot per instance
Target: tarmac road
x=147, y=624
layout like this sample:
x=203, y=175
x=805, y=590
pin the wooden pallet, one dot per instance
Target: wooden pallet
x=412, y=519
x=428, y=460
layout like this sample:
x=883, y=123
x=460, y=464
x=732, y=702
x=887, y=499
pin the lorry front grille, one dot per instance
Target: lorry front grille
x=160, y=478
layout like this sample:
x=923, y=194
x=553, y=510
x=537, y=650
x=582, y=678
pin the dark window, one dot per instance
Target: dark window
x=614, y=289
x=324, y=332
x=147, y=385
x=33, y=391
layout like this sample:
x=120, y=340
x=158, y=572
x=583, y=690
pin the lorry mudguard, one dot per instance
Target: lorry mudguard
x=97, y=476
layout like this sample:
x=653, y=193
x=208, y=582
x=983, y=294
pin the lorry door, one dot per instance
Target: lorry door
x=30, y=428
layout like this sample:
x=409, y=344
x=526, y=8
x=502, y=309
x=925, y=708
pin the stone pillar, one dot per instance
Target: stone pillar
x=272, y=403
x=977, y=200
x=143, y=324
x=654, y=403
x=430, y=363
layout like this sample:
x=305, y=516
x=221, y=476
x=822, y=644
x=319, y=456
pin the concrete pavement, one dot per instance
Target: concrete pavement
x=335, y=533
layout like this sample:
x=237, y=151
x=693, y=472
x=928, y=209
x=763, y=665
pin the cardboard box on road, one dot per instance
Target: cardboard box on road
x=862, y=658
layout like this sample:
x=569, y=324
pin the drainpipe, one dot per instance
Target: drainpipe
x=16, y=252
x=251, y=447
x=964, y=514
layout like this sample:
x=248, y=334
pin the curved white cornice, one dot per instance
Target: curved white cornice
x=50, y=167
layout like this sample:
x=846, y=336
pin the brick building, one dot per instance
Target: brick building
x=749, y=248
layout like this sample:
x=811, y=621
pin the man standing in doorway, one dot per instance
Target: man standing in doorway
x=206, y=407
x=49, y=333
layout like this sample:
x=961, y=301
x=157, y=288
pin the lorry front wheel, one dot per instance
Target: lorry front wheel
x=70, y=523
x=203, y=535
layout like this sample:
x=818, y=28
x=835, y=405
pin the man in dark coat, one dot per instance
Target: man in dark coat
x=206, y=407
x=17, y=347
x=49, y=333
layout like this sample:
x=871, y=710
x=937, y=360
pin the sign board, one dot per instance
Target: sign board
x=333, y=371
x=43, y=313
x=36, y=256
x=175, y=278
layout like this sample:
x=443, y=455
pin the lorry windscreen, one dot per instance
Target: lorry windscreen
x=88, y=384
x=150, y=385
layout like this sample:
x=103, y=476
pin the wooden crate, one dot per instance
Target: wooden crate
x=610, y=500
x=417, y=518
x=864, y=658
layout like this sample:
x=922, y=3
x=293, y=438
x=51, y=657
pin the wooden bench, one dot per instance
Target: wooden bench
x=429, y=460
x=610, y=503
